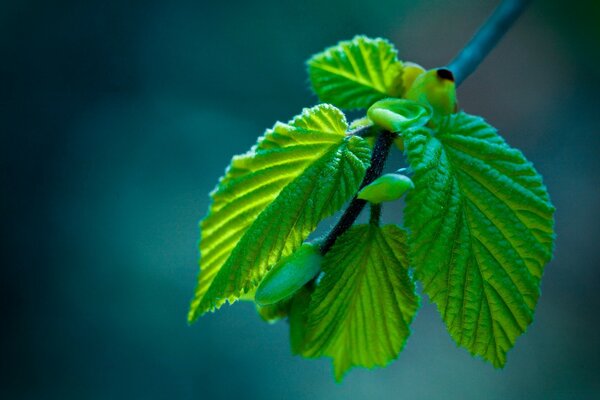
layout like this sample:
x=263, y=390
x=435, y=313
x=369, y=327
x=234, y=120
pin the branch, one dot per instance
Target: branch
x=380, y=153
x=486, y=38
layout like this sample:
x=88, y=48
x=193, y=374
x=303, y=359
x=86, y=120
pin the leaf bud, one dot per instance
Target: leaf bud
x=289, y=274
x=387, y=187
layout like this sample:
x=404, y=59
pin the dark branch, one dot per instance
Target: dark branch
x=486, y=38
x=380, y=153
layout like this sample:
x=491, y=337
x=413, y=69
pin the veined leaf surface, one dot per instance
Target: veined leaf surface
x=481, y=232
x=361, y=310
x=356, y=73
x=271, y=198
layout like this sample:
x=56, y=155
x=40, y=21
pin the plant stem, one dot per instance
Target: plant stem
x=366, y=131
x=486, y=38
x=375, y=214
x=378, y=157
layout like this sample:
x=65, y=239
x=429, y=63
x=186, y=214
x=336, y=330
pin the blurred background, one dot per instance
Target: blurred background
x=117, y=118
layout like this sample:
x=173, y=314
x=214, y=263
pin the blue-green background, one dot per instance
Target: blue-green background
x=117, y=118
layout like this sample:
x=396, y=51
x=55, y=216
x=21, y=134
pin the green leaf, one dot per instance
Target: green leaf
x=271, y=198
x=356, y=73
x=481, y=228
x=363, y=305
x=298, y=318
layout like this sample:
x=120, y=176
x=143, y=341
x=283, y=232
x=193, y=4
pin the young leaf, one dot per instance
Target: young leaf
x=435, y=88
x=398, y=115
x=270, y=200
x=356, y=73
x=481, y=228
x=361, y=310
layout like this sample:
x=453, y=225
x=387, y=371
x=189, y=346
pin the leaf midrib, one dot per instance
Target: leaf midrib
x=485, y=283
x=354, y=78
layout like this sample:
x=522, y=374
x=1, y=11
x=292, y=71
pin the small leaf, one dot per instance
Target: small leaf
x=272, y=198
x=481, y=228
x=356, y=73
x=398, y=115
x=361, y=310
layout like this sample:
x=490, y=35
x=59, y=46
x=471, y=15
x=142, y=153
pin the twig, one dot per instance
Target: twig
x=378, y=157
x=486, y=38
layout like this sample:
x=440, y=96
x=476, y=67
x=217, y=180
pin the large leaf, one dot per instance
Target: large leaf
x=481, y=227
x=271, y=198
x=356, y=73
x=361, y=310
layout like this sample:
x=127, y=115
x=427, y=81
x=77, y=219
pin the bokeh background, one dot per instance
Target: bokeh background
x=117, y=118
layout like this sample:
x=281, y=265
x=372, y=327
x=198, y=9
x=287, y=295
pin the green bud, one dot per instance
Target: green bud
x=289, y=275
x=410, y=73
x=435, y=88
x=397, y=115
x=387, y=187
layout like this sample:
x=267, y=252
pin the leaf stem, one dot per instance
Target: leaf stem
x=486, y=38
x=378, y=158
x=365, y=131
x=375, y=214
